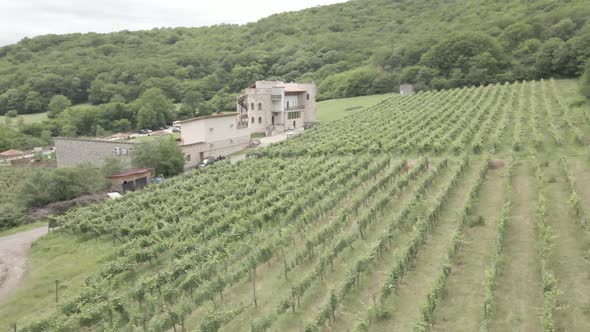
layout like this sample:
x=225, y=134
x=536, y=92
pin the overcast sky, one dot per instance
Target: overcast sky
x=29, y=18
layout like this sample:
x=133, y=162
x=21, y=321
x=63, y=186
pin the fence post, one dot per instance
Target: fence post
x=56, y=292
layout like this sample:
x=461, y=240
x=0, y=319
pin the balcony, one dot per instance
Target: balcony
x=276, y=97
x=294, y=107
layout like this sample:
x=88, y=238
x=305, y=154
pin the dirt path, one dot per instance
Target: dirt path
x=519, y=293
x=458, y=310
x=569, y=260
x=405, y=303
x=13, y=259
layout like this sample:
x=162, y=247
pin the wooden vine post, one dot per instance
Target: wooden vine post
x=254, y=286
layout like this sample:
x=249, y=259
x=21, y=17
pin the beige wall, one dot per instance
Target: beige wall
x=310, y=105
x=212, y=129
x=262, y=118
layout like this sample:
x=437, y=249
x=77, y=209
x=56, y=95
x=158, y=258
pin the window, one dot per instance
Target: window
x=260, y=106
x=231, y=125
x=252, y=106
x=293, y=115
x=211, y=129
x=252, y=119
x=188, y=157
x=259, y=119
x=308, y=96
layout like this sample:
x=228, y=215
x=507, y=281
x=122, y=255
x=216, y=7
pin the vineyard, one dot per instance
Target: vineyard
x=455, y=210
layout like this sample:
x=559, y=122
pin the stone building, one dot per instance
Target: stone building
x=71, y=152
x=407, y=89
x=273, y=106
x=212, y=135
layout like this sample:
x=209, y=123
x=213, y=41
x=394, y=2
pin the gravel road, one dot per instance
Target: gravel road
x=13, y=259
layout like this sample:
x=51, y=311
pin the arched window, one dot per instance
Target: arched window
x=252, y=106
x=260, y=106
x=252, y=119
x=259, y=119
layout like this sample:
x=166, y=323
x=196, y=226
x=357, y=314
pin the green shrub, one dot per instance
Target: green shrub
x=12, y=114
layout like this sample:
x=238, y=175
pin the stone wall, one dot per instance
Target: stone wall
x=71, y=152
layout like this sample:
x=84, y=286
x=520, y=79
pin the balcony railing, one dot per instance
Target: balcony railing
x=294, y=107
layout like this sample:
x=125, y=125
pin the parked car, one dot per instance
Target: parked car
x=206, y=162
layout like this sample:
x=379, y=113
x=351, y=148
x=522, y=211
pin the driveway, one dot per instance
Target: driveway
x=13, y=259
x=266, y=141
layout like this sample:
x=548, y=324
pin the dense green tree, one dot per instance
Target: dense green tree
x=33, y=103
x=548, y=60
x=81, y=120
x=11, y=99
x=383, y=38
x=57, y=105
x=163, y=155
x=472, y=53
x=243, y=76
x=153, y=109
x=61, y=184
x=516, y=33
x=190, y=104
x=13, y=139
x=101, y=92
x=563, y=29
x=11, y=215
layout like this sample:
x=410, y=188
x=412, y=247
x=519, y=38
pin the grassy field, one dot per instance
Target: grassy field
x=486, y=230
x=22, y=228
x=57, y=256
x=334, y=109
x=26, y=118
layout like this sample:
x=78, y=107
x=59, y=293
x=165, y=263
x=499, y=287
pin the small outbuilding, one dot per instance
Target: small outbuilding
x=130, y=180
x=11, y=154
x=407, y=89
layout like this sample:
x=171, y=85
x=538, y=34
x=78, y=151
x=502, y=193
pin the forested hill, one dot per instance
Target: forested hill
x=354, y=48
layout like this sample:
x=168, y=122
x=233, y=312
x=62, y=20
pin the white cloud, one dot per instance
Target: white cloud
x=19, y=19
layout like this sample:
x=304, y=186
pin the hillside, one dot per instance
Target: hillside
x=354, y=48
x=461, y=209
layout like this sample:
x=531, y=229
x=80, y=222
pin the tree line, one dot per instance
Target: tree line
x=349, y=49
